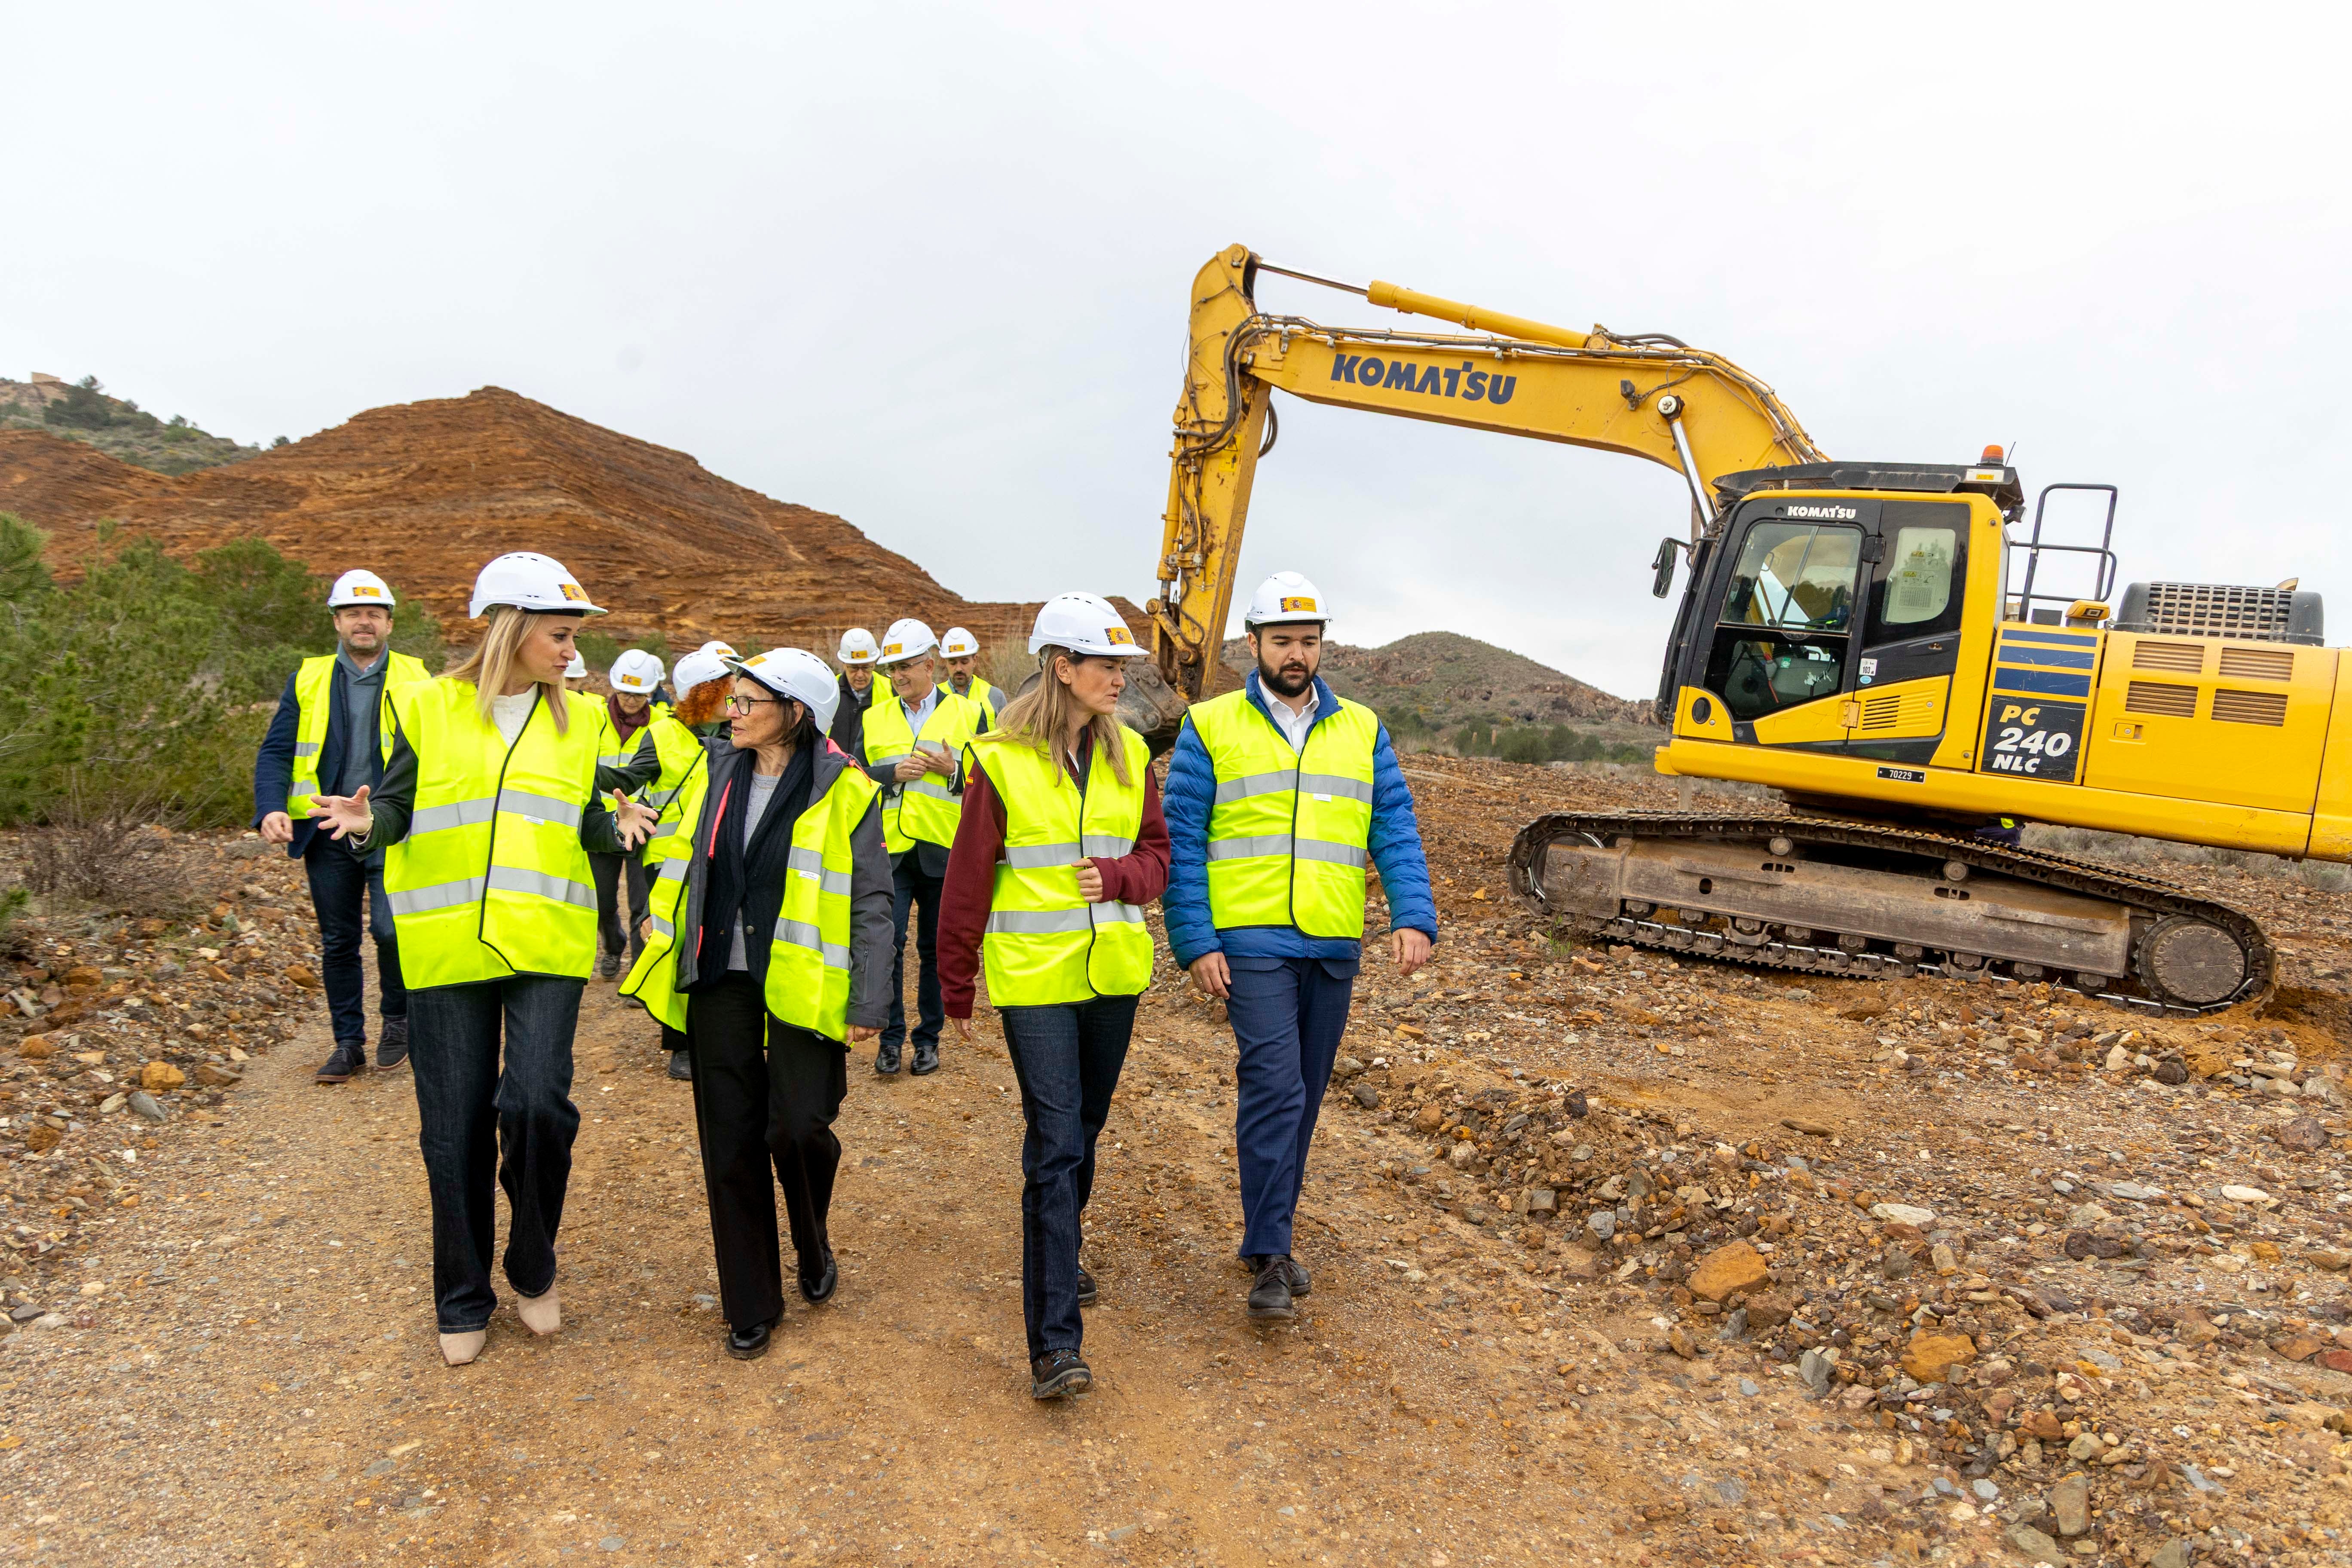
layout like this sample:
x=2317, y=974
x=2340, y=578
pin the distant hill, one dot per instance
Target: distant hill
x=115, y=426
x=1440, y=680
x=426, y=492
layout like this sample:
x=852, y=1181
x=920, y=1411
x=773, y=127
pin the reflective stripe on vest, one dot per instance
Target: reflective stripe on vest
x=1044, y=944
x=653, y=979
x=923, y=808
x=314, y=687
x=492, y=879
x=808, y=961
x=680, y=749
x=1288, y=831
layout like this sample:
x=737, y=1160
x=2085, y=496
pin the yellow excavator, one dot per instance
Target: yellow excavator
x=1877, y=641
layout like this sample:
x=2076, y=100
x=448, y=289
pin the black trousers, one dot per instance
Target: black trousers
x=921, y=895
x=484, y=1113
x=347, y=894
x=1068, y=1060
x=765, y=1095
x=606, y=870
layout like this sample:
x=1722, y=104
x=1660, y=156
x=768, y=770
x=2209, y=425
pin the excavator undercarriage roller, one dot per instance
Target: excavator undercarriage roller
x=1862, y=899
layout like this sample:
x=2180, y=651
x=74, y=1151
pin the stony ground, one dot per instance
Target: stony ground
x=1614, y=1260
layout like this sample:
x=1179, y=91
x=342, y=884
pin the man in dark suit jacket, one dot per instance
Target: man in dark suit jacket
x=326, y=740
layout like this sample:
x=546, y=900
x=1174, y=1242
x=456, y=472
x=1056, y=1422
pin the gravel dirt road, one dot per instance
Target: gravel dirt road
x=1614, y=1261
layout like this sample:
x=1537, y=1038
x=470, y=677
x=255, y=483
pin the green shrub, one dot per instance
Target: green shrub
x=145, y=688
x=1536, y=743
x=81, y=408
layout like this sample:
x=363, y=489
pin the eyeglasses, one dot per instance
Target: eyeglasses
x=745, y=704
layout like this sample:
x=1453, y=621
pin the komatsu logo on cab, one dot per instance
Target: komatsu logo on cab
x=1823, y=513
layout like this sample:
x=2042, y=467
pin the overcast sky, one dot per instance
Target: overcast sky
x=925, y=266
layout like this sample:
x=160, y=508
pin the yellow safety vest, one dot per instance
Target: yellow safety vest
x=1044, y=944
x=491, y=880
x=1287, y=834
x=680, y=749
x=922, y=809
x=808, y=961
x=314, y=686
x=979, y=693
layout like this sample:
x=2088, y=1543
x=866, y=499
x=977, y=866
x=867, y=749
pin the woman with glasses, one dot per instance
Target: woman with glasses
x=770, y=946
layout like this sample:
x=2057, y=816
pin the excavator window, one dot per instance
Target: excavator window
x=1919, y=576
x=1782, y=637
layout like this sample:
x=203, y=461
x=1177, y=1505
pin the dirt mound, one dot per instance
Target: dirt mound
x=1444, y=678
x=426, y=492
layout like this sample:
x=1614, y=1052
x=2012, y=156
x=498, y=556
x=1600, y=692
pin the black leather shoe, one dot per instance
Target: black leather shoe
x=1059, y=1373
x=681, y=1065
x=886, y=1059
x=1301, y=1287
x=926, y=1058
x=392, y=1045
x=749, y=1344
x=1086, y=1286
x=818, y=1291
x=348, y=1061
x=1269, y=1299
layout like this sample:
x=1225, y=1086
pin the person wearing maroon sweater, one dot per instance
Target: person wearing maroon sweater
x=1062, y=936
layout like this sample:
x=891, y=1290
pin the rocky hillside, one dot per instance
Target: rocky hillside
x=1448, y=680
x=426, y=492
x=115, y=426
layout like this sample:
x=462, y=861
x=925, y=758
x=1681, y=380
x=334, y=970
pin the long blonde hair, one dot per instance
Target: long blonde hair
x=491, y=665
x=1039, y=716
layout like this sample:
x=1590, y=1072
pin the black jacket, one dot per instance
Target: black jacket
x=871, y=941
x=848, y=730
x=273, y=765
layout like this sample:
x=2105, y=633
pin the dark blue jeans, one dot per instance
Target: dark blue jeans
x=920, y=893
x=479, y=1116
x=345, y=893
x=1287, y=1016
x=1068, y=1060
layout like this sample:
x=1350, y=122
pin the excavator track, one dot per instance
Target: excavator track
x=1828, y=895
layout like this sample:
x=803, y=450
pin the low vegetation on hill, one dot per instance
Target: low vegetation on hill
x=1445, y=690
x=115, y=426
x=139, y=692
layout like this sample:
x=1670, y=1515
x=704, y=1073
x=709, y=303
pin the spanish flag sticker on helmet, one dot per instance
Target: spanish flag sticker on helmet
x=1118, y=635
x=574, y=591
x=1304, y=606
x=890, y=649
x=364, y=591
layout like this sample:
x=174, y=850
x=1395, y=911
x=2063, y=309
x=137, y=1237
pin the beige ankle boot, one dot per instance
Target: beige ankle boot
x=459, y=1348
x=540, y=1314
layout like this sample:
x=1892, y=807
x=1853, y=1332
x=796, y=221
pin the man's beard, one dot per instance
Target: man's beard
x=1291, y=680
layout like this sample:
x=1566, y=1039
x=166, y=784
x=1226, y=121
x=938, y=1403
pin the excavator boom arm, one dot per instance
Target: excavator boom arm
x=1551, y=384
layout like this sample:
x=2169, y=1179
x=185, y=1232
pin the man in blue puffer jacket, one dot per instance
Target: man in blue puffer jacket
x=1278, y=796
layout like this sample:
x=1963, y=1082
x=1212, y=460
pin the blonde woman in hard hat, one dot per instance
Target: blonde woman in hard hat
x=326, y=738
x=915, y=738
x=1059, y=847
x=961, y=650
x=857, y=652
x=486, y=818
x=771, y=947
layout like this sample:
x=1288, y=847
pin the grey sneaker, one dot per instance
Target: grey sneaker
x=392, y=1045
x=348, y=1061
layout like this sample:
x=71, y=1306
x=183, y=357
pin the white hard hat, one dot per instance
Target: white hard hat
x=803, y=676
x=529, y=581
x=577, y=668
x=702, y=664
x=1083, y=623
x=359, y=588
x=858, y=646
x=958, y=644
x=723, y=649
x=637, y=672
x=906, y=639
x=1286, y=596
